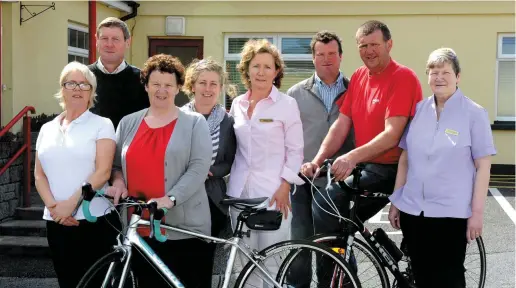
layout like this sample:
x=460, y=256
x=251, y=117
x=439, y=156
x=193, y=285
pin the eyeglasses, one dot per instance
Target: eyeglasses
x=72, y=85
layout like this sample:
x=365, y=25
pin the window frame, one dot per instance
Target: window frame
x=276, y=40
x=75, y=51
x=502, y=58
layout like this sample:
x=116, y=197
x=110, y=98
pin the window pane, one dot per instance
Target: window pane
x=80, y=37
x=508, y=46
x=235, y=44
x=86, y=41
x=72, y=37
x=295, y=72
x=506, y=90
x=71, y=58
x=295, y=46
x=234, y=78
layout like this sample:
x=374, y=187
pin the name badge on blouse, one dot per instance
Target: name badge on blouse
x=451, y=132
x=266, y=120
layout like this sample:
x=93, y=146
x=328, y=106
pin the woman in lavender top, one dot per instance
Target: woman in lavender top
x=443, y=176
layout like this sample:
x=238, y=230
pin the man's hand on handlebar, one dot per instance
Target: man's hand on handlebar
x=308, y=169
x=342, y=167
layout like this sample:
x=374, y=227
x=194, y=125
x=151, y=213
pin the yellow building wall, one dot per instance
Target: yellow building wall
x=417, y=29
x=35, y=53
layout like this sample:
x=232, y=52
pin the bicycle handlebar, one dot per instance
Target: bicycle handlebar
x=155, y=214
x=326, y=168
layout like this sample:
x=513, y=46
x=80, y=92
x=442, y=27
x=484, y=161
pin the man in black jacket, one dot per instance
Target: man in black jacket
x=119, y=89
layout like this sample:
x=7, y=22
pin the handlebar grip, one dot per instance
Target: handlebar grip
x=156, y=222
x=86, y=212
x=86, y=203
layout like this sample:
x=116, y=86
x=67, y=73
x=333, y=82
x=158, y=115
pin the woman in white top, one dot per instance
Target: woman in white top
x=76, y=147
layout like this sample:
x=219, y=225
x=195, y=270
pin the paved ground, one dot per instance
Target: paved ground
x=499, y=238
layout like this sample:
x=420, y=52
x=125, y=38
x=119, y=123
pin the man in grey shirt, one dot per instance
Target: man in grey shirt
x=318, y=98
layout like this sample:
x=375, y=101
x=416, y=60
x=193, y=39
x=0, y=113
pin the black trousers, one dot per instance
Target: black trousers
x=185, y=258
x=75, y=249
x=437, y=248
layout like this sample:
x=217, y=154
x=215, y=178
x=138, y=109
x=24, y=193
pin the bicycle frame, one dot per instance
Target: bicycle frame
x=133, y=239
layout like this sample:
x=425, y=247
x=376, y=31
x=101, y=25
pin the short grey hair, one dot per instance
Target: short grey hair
x=114, y=22
x=441, y=56
x=90, y=77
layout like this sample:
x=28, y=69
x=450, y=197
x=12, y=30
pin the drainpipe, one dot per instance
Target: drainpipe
x=92, y=29
x=133, y=14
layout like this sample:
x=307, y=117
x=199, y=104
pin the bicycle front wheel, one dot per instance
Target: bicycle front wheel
x=296, y=264
x=107, y=273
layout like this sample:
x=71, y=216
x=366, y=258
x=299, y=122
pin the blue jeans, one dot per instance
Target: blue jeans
x=375, y=178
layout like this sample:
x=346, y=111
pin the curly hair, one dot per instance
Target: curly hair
x=251, y=49
x=207, y=65
x=165, y=64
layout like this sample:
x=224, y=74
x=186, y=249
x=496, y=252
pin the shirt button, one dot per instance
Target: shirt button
x=165, y=179
x=166, y=163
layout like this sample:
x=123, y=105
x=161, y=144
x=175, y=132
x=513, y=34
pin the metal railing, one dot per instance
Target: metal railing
x=26, y=147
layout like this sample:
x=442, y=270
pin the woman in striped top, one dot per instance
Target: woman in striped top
x=204, y=82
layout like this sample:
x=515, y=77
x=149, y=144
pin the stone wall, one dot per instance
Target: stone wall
x=11, y=181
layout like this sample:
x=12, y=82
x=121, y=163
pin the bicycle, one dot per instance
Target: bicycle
x=116, y=264
x=377, y=247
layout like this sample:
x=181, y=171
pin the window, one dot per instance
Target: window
x=505, y=82
x=78, y=44
x=295, y=51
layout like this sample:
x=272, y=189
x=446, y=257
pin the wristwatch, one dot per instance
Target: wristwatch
x=173, y=199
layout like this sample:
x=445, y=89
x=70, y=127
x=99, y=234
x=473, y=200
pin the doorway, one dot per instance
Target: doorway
x=184, y=49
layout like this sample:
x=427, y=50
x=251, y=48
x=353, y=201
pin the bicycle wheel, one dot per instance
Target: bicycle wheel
x=364, y=260
x=108, y=269
x=279, y=258
x=475, y=264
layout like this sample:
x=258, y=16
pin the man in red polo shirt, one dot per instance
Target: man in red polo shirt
x=380, y=99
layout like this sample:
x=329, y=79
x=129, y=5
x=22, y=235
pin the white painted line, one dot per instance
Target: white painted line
x=506, y=206
x=377, y=219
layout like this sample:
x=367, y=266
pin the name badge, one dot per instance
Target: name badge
x=451, y=132
x=266, y=120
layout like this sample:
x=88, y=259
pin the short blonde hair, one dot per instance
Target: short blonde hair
x=251, y=49
x=85, y=71
x=207, y=65
x=441, y=56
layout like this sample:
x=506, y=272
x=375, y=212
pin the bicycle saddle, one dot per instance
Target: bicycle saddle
x=246, y=203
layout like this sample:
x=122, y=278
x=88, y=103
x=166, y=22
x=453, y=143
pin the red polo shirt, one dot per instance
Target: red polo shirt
x=372, y=98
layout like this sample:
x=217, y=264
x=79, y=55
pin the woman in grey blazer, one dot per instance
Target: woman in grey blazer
x=165, y=154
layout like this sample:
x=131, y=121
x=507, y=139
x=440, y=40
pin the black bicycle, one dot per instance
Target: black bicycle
x=377, y=251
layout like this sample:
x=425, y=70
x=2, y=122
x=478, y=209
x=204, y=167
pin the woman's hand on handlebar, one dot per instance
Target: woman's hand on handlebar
x=308, y=169
x=342, y=167
x=117, y=191
x=163, y=202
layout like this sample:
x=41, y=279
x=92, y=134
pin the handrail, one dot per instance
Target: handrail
x=16, y=119
x=26, y=147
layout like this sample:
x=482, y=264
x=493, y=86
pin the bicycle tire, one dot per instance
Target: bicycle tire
x=363, y=247
x=106, y=260
x=294, y=245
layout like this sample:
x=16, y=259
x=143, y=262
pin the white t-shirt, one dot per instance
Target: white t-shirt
x=68, y=157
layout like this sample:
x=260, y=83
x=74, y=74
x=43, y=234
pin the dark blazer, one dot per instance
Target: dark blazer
x=216, y=185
